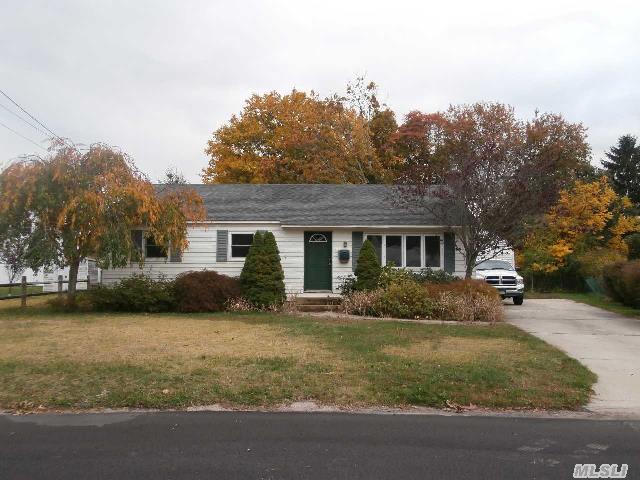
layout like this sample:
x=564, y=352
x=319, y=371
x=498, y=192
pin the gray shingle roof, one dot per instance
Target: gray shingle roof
x=309, y=204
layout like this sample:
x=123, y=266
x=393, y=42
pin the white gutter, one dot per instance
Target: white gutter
x=252, y=222
x=369, y=226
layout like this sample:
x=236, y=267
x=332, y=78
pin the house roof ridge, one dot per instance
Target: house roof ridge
x=310, y=204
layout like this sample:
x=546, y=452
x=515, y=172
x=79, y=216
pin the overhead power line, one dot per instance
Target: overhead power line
x=32, y=117
x=39, y=130
x=22, y=136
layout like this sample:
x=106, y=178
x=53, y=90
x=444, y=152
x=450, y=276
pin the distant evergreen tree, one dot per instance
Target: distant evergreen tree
x=633, y=242
x=623, y=167
x=262, y=277
x=368, y=268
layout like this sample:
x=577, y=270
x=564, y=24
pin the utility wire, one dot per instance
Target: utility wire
x=22, y=136
x=39, y=130
x=32, y=117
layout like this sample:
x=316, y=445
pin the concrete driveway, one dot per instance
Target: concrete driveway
x=607, y=343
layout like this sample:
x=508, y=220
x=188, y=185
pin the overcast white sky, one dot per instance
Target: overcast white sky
x=156, y=78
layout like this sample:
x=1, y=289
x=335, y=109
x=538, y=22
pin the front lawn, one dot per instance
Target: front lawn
x=172, y=360
x=17, y=291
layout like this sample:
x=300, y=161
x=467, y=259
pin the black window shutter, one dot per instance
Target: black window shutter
x=356, y=245
x=136, y=238
x=222, y=245
x=449, y=252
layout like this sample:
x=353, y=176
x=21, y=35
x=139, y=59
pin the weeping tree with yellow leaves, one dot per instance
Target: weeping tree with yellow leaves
x=583, y=231
x=84, y=203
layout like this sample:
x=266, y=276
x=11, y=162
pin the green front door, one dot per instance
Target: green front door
x=317, y=261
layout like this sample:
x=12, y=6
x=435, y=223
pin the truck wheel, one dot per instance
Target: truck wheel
x=518, y=300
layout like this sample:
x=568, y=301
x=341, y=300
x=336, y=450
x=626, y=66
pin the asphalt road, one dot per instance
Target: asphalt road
x=221, y=445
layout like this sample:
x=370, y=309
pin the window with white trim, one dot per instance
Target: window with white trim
x=413, y=251
x=408, y=250
x=318, y=238
x=239, y=244
x=432, y=251
x=393, y=250
x=152, y=249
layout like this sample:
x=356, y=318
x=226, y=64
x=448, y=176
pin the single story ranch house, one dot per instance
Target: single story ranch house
x=319, y=230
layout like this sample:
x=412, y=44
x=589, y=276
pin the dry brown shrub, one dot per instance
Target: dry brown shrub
x=205, y=291
x=362, y=302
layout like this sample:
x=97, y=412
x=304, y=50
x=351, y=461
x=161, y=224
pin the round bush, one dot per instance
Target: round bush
x=204, y=291
x=621, y=281
x=404, y=299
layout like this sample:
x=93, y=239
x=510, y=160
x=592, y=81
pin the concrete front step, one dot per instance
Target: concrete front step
x=318, y=300
x=318, y=308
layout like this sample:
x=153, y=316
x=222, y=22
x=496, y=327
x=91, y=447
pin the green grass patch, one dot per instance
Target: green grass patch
x=17, y=291
x=169, y=360
x=593, y=299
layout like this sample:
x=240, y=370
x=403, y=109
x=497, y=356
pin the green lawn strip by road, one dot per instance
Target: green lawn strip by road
x=93, y=360
x=593, y=299
x=17, y=291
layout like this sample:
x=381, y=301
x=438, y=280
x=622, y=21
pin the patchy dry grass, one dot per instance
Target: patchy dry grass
x=102, y=360
x=456, y=350
x=142, y=339
x=13, y=303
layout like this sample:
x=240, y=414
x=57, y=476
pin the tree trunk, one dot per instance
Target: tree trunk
x=12, y=278
x=469, y=272
x=470, y=263
x=74, y=266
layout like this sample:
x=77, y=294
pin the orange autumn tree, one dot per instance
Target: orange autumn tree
x=76, y=204
x=300, y=138
x=587, y=225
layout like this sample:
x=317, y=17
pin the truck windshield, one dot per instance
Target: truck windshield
x=495, y=265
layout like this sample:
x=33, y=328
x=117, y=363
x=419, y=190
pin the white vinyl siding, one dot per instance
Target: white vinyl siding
x=201, y=254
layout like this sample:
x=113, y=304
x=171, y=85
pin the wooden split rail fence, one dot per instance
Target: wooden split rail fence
x=24, y=288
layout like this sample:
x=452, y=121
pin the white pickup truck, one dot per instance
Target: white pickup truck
x=503, y=277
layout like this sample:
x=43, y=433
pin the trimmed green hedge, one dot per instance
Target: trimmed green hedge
x=262, y=277
x=368, y=269
x=138, y=293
